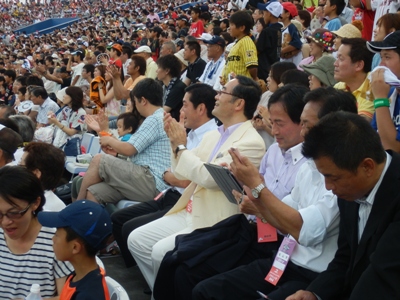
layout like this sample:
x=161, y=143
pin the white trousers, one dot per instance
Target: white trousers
x=149, y=243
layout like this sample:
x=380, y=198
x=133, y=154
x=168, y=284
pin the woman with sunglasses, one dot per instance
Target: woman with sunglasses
x=26, y=251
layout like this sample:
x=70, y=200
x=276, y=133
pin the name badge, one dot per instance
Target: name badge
x=281, y=260
x=266, y=232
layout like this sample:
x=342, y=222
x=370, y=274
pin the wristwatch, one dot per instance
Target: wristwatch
x=179, y=148
x=257, y=190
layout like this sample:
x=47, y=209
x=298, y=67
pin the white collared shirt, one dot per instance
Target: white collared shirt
x=47, y=106
x=320, y=213
x=366, y=204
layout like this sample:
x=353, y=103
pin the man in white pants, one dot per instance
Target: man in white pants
x=202, y=204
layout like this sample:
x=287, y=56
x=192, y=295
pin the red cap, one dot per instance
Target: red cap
x=291, y=8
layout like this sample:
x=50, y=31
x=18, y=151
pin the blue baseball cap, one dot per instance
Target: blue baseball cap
x=215, y=40
x=88, y=219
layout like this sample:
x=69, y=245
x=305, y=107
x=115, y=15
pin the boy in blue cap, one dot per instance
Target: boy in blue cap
x=82, y=229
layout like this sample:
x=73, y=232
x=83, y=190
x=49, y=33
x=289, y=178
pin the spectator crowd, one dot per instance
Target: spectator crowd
x=298, y=101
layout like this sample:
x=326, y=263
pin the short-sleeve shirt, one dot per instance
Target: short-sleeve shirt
x=333, y=24
x=195, y=70
x=39, y=265
x=47, y=106
x=365, y=99
x=243, y=55
x=290, y=36
x=196, y=29
x=395, y=112
x=153, y=147
x=78, y=71
x=92, y=286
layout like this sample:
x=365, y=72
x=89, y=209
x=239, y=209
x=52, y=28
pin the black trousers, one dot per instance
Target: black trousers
x=244, y=282
x=176, y=281
x=128, y=219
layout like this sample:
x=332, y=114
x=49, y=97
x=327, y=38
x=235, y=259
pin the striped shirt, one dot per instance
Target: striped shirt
x=153, y=147
x=242, y=56
x=47, y=106
x=19, y=271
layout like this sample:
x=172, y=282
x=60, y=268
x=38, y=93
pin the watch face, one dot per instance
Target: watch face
x=255, y=193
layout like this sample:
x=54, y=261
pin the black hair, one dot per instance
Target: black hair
x=205, y=16
x=48, y=159
x=194, y=46
x=80, y=53
x=34, y=80
x=76, y=95
x=10, y=73
x=128, y=120
x=149, y=89
x=72, y=235
x=21, y=80
x=296, y=77
x=202, y=93
x=291, y=98
x=359, y=52
x=250, y=91
x=40, y=91
x=306, y=17
x=22, y=90
x=278, y=68
x=9, y=111
x=170, y=62
x=242, y=18
x=227, y=37
x=89, y=68
x=217, y=31
x=340, y=5
x=345, y=138
x=20, y=183
x=330, y=99
x=127, y=50
x=139, y=62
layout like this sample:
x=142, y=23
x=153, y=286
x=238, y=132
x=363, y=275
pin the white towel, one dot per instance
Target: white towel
x=390, y=78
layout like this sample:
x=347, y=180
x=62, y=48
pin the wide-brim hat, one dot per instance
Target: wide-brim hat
x=323, y=38
x=323, y=69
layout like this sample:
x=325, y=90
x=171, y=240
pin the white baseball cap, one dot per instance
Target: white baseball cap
x=143, y=49
x=274, y=7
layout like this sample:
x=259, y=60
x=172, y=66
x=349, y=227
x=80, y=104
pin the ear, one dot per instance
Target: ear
x=359, y=65
x=242, y=28
x=392, y=30
x=36, y=204
x=37, y=173
x=76, y=247
x=201, y=108
x=368, y=166
x=239, y=106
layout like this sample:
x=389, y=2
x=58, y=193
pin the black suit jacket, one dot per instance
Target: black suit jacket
x=369, y=269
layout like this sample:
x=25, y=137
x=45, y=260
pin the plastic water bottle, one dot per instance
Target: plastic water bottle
x=35, y=293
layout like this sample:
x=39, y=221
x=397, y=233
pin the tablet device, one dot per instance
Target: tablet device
x=225, y=180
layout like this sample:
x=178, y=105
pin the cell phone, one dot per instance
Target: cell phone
x=258, y=116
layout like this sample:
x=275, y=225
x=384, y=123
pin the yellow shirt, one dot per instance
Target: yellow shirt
x=364, y=96
x=242, y=56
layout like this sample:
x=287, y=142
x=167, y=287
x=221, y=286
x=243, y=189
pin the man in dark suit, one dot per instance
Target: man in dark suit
x=366, y=179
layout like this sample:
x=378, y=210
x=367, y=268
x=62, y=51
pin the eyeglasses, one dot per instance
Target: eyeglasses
x=226, y=93
x=15, y=215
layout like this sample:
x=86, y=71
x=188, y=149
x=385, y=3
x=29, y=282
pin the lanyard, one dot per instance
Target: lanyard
x=214, y=70
x=168, y=89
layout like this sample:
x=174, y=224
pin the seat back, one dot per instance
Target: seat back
x=117, y=292
x=95, y=147
x=87, y=139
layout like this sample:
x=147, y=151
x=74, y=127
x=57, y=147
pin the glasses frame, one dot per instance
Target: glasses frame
x=226, y=93
x=14, y=215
